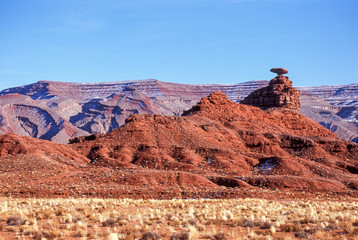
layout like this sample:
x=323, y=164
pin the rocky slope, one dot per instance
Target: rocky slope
x=218, y=148
x=59, y=111
x=335, y=107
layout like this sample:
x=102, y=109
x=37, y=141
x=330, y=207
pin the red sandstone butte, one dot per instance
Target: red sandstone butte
x=216, y=149
x=279, y=93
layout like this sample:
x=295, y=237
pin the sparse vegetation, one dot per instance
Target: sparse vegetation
x=177, y=219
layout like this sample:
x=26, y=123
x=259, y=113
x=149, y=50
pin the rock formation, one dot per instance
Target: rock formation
x=279, y=93
x=59, y=111
x=279, y=71
x=232, y=145
x=217, y=149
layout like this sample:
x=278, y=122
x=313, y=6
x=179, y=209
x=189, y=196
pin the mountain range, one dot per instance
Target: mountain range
x=60, y=111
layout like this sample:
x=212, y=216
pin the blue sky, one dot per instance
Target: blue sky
x=183, y=41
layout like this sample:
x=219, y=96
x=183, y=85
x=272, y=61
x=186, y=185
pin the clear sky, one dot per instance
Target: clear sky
x=182, y=41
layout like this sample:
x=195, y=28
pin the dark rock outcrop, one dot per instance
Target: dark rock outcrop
x=279, y=71
x=279, y=93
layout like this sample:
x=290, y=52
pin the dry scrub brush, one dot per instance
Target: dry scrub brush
x=177, y=219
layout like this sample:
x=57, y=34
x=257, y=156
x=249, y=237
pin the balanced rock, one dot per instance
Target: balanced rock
x=279, y=93
x=279, y=71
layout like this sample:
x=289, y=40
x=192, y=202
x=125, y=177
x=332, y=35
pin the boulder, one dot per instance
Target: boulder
x=279, y=71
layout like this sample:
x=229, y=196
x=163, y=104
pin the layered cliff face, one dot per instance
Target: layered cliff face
x=59, y=111
x=335, y=107
x=329, y=116
x=217, y=148
x=279, y=93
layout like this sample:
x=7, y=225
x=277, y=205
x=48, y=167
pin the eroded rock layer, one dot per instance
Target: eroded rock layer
x=216, y=149
x=279, y=93
x=59, y=111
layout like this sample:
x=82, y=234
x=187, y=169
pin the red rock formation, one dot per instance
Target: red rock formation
x=218, y=148
x=59, y=111
x=279, y=93
x=224, y=141
x=12, y=144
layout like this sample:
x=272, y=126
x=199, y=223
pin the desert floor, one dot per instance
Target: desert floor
x=247, y=218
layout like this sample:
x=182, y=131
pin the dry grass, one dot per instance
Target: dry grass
x=177, y=219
